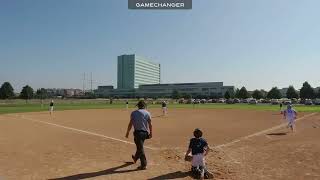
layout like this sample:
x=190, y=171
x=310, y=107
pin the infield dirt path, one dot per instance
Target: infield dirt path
x=35, y=150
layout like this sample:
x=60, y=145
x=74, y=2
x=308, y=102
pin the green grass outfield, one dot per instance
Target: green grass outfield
x=35, y=106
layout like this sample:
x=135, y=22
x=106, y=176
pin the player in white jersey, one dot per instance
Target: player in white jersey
x=290, y=114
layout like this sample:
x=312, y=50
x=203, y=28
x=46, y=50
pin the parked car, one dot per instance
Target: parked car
x=236, y=101
x=197, y=101
x=287, y=102
x=244, y=101
x=308, y=102
x=181, y=101
x=275, y=101
x=214, y=100
x=302, y=101
x=203, y=101
x=316, y=102
x=265, y=101
x=294, y=101
x=221, y=100
x=230, y=101
x=190, y=101
x=253, y=101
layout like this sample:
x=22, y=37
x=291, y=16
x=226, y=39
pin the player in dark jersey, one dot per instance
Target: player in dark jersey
x=164, y=108
x=127, y=104
x=51, y=107
x=199, y=148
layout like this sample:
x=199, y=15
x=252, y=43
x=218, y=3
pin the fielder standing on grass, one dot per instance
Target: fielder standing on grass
x=141, y=121
x=290, y=114
x=51, y=107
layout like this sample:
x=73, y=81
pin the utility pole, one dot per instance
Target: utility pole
x=84, y=83
x=91, y=82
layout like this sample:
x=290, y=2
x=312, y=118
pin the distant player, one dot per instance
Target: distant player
x=164, y=108
x=290, y=114
x=199, y=148
x=127, y=104
x=281, y=105
x=51, y=107
x=111, y=101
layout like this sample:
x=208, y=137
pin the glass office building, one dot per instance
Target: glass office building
x=134, y=71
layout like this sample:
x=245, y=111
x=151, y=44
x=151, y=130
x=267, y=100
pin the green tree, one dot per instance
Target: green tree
x=26, y=93
x=227, y=95
x=257, y=94
x=318, y=93
x=6, y=91
x=292, y=93
x=236, y=94
x=264, y=93
x=243, y=93
x=232, y=93
x=307, y=92
x=274, y=93
x=175, y=94
x=42, y=93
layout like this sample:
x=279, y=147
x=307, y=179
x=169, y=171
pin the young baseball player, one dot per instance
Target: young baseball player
x=199, y=148
x=51, y=107
x=290, y=114
x=127, y=104
x=164, y=108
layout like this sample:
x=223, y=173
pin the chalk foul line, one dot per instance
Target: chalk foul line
x=83, y=131
x=260, y=132
x=153, y=148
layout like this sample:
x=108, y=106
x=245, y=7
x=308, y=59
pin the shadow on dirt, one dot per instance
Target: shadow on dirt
x=99, y=173
x=277, y=134
x=174, y=175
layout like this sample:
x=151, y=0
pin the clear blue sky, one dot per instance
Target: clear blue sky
x=252, y=43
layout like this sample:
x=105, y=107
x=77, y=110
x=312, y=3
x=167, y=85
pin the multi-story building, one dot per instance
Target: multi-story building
x=64, y=92
x=216, y=89
x=103, y=90
x=134, y=71
x=208, y=89
x=138, y=77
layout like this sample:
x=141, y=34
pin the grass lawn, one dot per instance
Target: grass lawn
x=92, y=104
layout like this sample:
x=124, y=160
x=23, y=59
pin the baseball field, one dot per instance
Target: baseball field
x=85, y=140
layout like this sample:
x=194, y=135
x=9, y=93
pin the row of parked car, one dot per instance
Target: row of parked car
x=252, y=101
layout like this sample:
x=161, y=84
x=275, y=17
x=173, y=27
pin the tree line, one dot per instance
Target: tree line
x=306, y=92
x=27, y=92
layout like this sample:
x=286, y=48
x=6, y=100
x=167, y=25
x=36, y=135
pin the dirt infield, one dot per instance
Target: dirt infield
x=90, y=144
